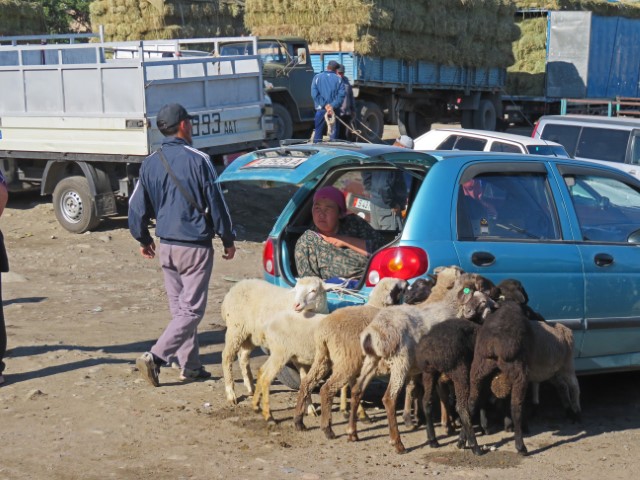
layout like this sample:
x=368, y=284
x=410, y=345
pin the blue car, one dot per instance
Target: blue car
x=568, y=230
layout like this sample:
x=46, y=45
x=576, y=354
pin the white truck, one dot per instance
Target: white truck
x=76, y=121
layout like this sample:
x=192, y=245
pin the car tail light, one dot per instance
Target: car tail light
x=535, y=129
x=268, y=259
x=397, y=262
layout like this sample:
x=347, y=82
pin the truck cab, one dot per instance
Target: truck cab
x=287, y=73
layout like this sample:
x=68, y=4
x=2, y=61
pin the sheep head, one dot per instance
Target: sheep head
x=418, y=291
x=309, y=294
x=512, y=289
x=388, y=291
x=475, y=305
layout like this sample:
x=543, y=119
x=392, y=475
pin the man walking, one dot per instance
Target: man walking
x=348, y=108
x=328, y=93
x=177, y=187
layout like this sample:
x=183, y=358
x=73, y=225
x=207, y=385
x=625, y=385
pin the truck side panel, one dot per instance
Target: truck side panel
x=109, y=107
x=390, y=72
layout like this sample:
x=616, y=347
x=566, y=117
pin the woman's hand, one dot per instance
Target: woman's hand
x=343, y=241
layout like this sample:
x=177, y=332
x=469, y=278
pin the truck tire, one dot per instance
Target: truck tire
x=372, y=121
x=484, y=118
x=290, y=377
x=282, y=121
x=74, y=205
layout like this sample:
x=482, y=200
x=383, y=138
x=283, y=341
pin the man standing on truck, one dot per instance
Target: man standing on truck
x=328, y=93
x=177, y=187
x=348, y=107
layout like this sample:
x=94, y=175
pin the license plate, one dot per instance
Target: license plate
x=361, y=204
x=276, y=162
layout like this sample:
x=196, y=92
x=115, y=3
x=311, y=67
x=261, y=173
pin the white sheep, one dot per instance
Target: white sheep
x=338, y=351
x=394, y=334
x=248, y=306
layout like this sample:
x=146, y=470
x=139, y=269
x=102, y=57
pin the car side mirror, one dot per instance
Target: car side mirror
x=634, y=237
x=302, y=56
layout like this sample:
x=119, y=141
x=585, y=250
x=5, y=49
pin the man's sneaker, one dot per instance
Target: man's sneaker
x=148, y=369
x=188, y=375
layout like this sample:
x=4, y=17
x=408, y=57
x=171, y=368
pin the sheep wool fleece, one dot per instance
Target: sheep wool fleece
x=187, y=271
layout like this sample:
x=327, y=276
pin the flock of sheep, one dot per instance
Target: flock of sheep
x=455, y=330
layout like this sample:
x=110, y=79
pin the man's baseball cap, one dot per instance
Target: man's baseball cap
x=171, y=115
x=404, y=141
x=332, y=65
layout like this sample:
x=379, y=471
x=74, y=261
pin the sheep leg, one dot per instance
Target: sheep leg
x=267, y=373
x=396, y=382
x=318, y=371
x=228, y=356
x=410, y=406
x=460, y=378
x=367, y=373
x=517, y=374
x=302, y=369
x=243, y=359
x=481, y=368
x=428, y=383
x=446, y=416
x=257, y=394
x=336, y=381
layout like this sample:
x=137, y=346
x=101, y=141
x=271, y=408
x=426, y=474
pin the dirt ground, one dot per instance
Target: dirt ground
x=81, y=308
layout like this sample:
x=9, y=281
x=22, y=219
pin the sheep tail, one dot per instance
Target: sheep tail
x=367, y=345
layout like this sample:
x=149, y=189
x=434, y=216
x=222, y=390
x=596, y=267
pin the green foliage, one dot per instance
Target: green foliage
x=66, y=16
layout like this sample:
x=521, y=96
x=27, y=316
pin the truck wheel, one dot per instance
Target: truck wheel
x=283, y=122
x=74, y=205
x=290, y=377
x=485, y=117
x=372, y=120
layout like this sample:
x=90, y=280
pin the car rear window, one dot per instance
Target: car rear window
x=603, y=144
x=565, y=135
x=466, y=143
x=505, y=147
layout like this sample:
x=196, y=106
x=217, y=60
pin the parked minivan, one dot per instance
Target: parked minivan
x=608, y=140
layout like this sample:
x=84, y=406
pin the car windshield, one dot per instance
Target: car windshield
x=549, y=150
x=268, y=51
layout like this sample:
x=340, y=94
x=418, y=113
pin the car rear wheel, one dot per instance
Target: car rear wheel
x=282, y=121
x=74, y=205
x=372, y=120
x=484, y=118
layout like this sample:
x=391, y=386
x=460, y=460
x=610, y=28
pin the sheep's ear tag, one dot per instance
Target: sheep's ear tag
x=466, y=290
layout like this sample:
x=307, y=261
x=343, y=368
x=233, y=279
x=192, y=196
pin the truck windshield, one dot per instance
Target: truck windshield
x=269, y=51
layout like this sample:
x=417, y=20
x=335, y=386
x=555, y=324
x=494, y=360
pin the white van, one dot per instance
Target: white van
x=485, y=141
x=608, y=140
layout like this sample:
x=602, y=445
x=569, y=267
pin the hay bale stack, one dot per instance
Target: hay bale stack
x=19, y=17
x=157, y=19
x=475, y=33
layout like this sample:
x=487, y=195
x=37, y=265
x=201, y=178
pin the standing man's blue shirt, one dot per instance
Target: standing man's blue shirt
x=327, y=89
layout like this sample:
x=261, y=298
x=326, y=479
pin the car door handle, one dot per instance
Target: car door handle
x=482, y=259
x=603, y=259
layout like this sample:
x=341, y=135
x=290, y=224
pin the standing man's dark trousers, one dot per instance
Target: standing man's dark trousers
x=320, y=124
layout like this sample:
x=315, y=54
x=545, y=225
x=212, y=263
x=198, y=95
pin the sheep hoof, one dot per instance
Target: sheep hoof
x=270, y=420
x=345, y=414
x=478, y=451
x=352, y=437
x=400, y=448
x=461, y=443
x=433, y=443
x=231, y=397
x=451, y=430
x=299, y=424
x=329, y=433
x=522, y=451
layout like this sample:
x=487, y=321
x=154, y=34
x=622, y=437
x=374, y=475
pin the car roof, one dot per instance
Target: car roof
x=626, y=121
x=512, y=137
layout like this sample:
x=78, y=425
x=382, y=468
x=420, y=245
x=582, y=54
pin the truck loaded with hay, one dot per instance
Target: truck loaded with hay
x=77, y=121
x=585, y=52
x=411, y=62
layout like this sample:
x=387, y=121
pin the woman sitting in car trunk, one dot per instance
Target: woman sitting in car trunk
x=338, y=246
